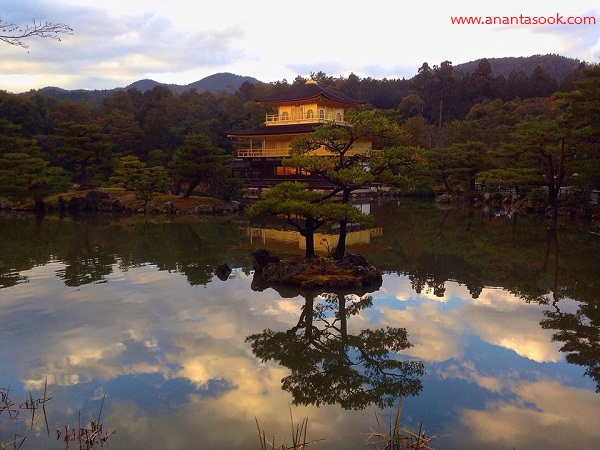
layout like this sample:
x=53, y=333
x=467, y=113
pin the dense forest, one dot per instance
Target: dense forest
x=525, y=129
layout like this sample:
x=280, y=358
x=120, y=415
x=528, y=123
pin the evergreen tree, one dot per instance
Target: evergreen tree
x=304, y=210
x=198, y=161
x=24, y=174
x=581, y=115
x=85, y=150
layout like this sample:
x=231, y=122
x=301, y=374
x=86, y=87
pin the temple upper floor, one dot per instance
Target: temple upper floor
x=307, y=103
x=309, y=113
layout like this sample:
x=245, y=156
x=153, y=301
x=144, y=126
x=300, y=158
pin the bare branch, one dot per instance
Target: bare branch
x=14, y=34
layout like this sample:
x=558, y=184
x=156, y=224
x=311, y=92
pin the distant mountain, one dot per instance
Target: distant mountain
x=219, y=82
x=144, y=85
x=558, y=67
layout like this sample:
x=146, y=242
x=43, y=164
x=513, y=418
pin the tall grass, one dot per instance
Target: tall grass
x=94, y=434
x=10, y=408
x=86, y=437
x=298, y=437
x=395, y=437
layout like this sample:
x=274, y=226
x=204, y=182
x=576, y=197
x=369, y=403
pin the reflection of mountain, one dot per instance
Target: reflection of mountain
x=330, y=365
x=324, y=242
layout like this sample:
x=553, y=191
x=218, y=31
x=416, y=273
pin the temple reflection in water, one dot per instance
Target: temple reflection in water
x=324, y=242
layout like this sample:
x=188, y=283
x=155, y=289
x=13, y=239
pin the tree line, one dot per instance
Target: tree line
x=523, y=131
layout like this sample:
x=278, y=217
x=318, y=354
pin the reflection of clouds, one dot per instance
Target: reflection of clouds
x=231, y=420
x=467, y=372
x=287, y=309
x=145, y=318
x=146, y=321
x=530, y=414
x=498, y=298
x=496, y=316
x=73, y=335
x=230, y=417
x=74, y=358
x=515, y=327
x=435, y=336
x=150, y=322
x=538, y=417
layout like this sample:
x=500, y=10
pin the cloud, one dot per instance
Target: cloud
x=466, y=371
x=110, y=49
x=547, y=407
x=581, y=41
x=496, y=316
x=503, y=319
x=117, y=42
x=438, y=340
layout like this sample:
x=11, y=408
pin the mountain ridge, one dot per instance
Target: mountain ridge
x=557, y=66
x=218, y=82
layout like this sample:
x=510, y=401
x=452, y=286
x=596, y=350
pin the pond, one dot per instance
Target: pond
x=486, y=325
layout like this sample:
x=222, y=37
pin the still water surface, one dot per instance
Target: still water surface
x=501, y=313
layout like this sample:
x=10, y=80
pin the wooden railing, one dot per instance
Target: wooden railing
x=262, y=152
x=282, y=152
x=280, y=119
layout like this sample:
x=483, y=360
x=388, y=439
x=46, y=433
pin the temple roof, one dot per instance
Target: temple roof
x=308, y=91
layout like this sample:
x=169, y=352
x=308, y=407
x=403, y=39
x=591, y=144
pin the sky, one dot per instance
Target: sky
x=117, y=42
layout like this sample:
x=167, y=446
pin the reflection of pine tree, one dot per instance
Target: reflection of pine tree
x=426, y=282
x=580, y=334
x=89, y=266
x=329, y=365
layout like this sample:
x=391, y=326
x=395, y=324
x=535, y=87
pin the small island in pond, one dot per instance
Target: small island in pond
x=351, y=272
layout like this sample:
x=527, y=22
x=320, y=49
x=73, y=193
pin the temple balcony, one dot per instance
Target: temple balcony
x=288, y=119
x=262, y=152
x=282, y=152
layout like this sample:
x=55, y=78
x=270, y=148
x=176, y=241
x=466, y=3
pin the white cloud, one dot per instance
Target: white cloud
x=496, y=316
x=547, y=407
x=181, y=42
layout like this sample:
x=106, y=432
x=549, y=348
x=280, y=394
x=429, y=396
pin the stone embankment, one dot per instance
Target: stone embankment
x=98, y=200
